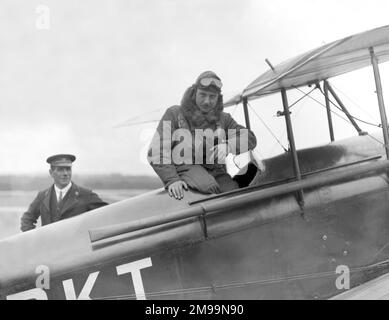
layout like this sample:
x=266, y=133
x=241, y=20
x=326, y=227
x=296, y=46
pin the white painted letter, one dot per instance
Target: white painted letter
x=134, y=269
x=43, y=280
x=33, y=294
x=70, y=292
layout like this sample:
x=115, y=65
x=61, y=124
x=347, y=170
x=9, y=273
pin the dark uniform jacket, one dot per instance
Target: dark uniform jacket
x=76, y=201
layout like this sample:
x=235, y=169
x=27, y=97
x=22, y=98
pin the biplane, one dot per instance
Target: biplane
x=305, y=224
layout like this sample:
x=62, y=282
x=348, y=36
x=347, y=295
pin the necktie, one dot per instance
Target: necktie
x=60, y=197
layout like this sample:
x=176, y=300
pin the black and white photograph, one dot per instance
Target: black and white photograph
x=194, y=150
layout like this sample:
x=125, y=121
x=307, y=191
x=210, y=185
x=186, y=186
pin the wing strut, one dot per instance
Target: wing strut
x=296, y=167
x=329, y=116
x=344, y=109
x=377, y=78
x=246, y=113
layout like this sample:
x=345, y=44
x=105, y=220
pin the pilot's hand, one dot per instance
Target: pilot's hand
x=214, y=188
x=176, y=189
x=220, y=152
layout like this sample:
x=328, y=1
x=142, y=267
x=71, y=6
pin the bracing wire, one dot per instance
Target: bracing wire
x=233, y=112
x=267, y=127
x=293, y=104
x=298, y=100
x=317, y=101
x=296, y=114
x=380, y=142
x=347, y=120
x=352, y=101
x=355, y=118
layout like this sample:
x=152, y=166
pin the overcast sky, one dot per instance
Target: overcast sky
x=63, y=90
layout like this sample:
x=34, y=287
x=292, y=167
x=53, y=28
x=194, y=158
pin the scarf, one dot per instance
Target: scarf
x=192, y=113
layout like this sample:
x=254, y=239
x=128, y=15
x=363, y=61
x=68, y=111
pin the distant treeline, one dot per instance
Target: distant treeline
x=100, y=181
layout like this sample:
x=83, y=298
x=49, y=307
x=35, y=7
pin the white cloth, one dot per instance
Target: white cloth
x=64, y=190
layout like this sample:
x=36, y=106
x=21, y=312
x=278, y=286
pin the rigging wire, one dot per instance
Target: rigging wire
x=298, y=100
x=296, y=114
x=347, y=120
x=380, y=142
x=353, y=102
x=299, y=110
x=284, y=131
x=355, y=118
x=267, y=127
x=233, y=112
x=320, y=103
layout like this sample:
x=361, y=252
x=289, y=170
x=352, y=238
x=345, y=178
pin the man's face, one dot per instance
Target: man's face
x=206, y=100
x=61, y=176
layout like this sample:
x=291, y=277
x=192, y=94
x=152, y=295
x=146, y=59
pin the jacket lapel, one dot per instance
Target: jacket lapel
x=71, y=199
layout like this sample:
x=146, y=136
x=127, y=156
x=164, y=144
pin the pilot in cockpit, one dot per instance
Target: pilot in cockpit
x=192, y=141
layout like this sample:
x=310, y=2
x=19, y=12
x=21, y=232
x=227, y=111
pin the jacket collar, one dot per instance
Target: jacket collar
x=71, y=199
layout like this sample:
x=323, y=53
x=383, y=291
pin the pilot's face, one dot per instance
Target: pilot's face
x=61, y=176
x=206, y=100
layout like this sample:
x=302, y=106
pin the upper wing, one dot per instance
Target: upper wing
x=330, y=60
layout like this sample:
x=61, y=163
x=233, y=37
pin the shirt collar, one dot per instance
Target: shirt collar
x=64, y=190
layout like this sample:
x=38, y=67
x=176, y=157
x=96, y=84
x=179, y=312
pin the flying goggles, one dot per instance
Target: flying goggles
x=205, y=82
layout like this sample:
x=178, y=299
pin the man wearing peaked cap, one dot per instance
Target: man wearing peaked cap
x=64, y=199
